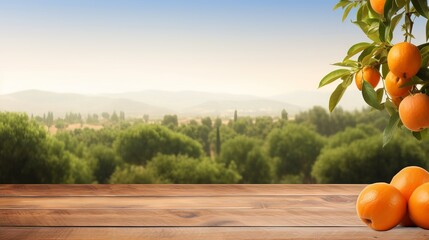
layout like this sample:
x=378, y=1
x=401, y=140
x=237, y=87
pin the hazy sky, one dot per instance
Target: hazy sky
x=260, y=47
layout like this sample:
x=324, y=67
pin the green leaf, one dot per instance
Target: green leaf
x=388, y=8
x=339, y=92
x=421, y=135
x=347, y=63
x=336, y=96
x=424, y=133
x=359, y=14
x=384, y=69
x=362, y=13
x=382, y=31
x=370, y=96
x=401, y=3
x=371, y=58
x=389, y=33
x=332, y=76
x=369, y=27
x=357, y=48
x=341, y=4
x=374, y=57
x=362, y=25
x=425, y=61
x=423, y=75
x=424, y=52
x=390, y=128
x=347, y=11
x=378, y=51
x=425, y=88
x=380, y=94
x=371, y=10
x=420, y=47
x=372, y=25
x=390, y=107
x=372, y=22
x=347, y=80
x=394, y=22
x=421, y=7
x=417, y=136
x=427, y=30
x=365, y=53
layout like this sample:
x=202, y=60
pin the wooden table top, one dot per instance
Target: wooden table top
x=186, y=212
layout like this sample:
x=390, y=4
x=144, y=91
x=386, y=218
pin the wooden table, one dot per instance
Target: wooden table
x=186, y=212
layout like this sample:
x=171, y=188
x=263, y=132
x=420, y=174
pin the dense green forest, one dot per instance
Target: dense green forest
x=313, y=147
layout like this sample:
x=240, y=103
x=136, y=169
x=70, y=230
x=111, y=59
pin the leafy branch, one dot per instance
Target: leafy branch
x=379, y=26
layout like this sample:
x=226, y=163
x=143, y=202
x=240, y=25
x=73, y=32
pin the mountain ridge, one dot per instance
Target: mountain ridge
x=158, y=103
x=38, y=102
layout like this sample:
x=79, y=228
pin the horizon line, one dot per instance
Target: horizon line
x=161, y=90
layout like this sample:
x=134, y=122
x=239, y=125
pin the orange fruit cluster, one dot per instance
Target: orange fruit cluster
x=404, y=201
x=404, y=61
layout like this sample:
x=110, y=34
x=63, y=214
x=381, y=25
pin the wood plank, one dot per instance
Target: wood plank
x=315, y=216
x=177, y=189
x=221, y=202
x=210, y=233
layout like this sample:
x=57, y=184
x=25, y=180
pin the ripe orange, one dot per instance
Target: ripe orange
x=418, y=206
x=404, y=60
x=395, y=85
x=381, y=206
x=414, y=111
x=406, y=181
x=368, y=74
x=378, y=6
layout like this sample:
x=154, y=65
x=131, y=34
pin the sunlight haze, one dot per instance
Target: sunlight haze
x=253, y=47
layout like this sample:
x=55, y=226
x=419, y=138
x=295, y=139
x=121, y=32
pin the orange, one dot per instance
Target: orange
x=395, y=85
x=406, y=181
x=404, y=60
x=418, y=206
x=414, y=111
x=381, y=206
x=370, y=75
x=378, y=6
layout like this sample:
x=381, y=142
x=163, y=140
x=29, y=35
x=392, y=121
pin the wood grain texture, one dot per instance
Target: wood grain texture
x=186, y=212
x=314, y=216
x=210, y=233
x=177, y=189
x=219, y=202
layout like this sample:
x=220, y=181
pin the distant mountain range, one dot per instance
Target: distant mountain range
x=192, y=103
x=158, y=103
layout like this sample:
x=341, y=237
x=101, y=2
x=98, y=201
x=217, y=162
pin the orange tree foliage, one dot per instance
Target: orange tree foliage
x=379, y=26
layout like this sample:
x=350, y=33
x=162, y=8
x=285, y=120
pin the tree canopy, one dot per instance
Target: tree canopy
x=142, y=142
x=249, y=150
x=362, y=159
x=250, y=158
x=28, y=154
x=295, y=148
